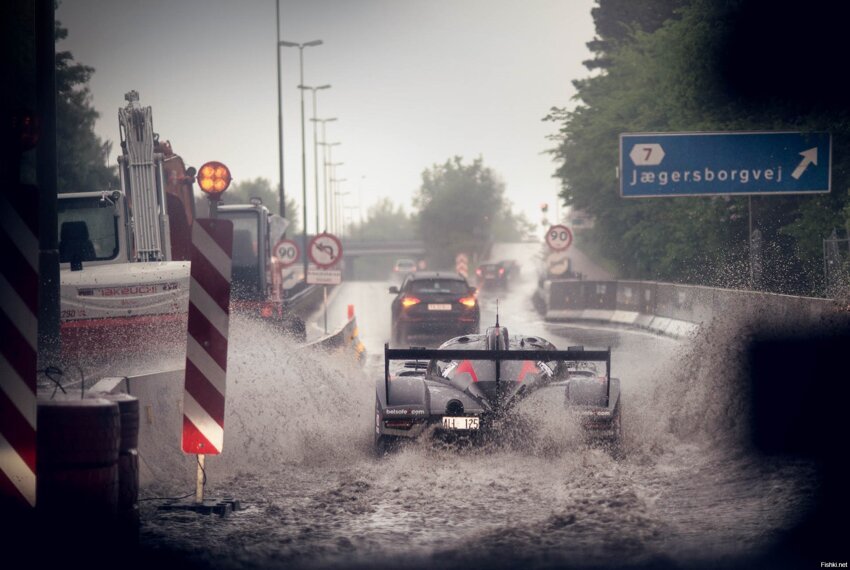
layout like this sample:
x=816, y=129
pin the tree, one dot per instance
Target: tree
x=242, y=192
x=675, y=78
x=457, y=205
x=81, y=155
x=384, y=222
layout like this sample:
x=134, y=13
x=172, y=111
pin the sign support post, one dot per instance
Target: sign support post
x=325, y=251
x=201, y=481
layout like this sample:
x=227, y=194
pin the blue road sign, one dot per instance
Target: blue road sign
x=700, y=164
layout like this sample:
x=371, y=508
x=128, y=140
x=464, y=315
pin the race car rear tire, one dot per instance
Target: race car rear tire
x=385, y=444
x=617, y=429
x=399, y=335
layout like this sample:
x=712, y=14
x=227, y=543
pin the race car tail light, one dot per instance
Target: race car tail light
x=467, y=301
x=398, y=424
x=410, y=301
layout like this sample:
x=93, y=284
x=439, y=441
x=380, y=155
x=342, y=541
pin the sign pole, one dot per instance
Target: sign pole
x=750, y=236
x=325, y=288
x=199, y=487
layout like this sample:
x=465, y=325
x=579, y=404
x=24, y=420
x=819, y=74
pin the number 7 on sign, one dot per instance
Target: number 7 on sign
x=647, y=154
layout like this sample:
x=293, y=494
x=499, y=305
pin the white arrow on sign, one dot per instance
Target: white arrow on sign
x=810, y=156
x=290, y=278
x=647, y=154
x=558, y=262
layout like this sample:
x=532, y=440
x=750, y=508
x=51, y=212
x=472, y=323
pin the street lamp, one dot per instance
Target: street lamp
x=325, y=164
x=340, y=206
x=328, y=147
x=282, y=205
x=332, y=196
x=303, y=143
x=315, y=147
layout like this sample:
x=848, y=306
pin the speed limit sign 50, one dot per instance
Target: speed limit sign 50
x=559, y=237
x=286, y=251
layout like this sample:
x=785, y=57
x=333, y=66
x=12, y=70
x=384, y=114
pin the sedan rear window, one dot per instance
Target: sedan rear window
x=448, y=286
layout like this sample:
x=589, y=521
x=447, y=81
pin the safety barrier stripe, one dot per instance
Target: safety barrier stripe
x=19, y=349
x=208, y=325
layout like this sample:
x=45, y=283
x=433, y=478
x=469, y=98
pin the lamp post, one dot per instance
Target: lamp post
x=315, y=148
x=333, y=193
x=340, y=208
x=328, y=193
x=303, y=143
x=325, y=165
x=282, y=205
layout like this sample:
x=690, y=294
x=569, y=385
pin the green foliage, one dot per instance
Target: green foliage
x=242, y=192
x=458, y=204
x=384, y=222
x=670, y=78
x=511, y=227
x=81, y=155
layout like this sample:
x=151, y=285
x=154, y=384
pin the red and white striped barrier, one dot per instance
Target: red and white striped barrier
x=462, y=264
x=19, y=346
x=206, y=350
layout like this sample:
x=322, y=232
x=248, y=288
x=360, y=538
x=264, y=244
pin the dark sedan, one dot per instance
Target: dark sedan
x=496, y=274
x=433, y=304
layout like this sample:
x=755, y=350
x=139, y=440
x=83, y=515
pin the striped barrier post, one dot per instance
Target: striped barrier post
x=462, y=264
x=206, y=350
x=19, y=284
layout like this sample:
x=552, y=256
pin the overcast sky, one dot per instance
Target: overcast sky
x=414, y=82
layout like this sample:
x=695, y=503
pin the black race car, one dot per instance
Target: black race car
x=435, y=305
x=468, y=388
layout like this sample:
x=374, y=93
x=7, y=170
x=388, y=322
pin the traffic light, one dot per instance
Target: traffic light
x=544, y=207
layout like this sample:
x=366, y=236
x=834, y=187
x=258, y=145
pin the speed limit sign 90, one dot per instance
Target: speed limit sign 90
x=559, y=237
x=286, y=251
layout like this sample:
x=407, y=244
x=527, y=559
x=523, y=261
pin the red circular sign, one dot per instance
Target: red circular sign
x=325, y=250
x=559, y=237
x=286, y=251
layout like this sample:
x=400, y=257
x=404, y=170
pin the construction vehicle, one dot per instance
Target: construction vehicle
x=124, y=253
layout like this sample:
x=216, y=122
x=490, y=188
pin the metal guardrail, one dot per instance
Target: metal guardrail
x=305, y=300
x=347, y=338
x=668, y=308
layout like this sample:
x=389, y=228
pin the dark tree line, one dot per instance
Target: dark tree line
x=706, y=65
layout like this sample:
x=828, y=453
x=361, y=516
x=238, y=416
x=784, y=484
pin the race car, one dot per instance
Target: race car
x=470, y=387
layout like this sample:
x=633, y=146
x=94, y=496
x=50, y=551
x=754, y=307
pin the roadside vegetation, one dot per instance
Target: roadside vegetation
x=703, y=65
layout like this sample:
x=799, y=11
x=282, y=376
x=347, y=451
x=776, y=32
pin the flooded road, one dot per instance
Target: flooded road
x=298, y=455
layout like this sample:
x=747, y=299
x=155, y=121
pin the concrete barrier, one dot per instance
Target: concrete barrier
x=665, y=308
x=346, y=339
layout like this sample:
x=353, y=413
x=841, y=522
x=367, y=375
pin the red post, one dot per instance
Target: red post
x=350, y=312
x=19, y=285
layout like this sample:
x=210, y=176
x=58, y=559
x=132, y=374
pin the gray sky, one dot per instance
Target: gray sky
x=414, y=82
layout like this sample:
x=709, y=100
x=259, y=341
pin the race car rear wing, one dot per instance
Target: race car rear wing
x=571, y=355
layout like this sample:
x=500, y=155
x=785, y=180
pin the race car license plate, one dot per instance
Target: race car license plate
x=460, y=422
x=439, y=306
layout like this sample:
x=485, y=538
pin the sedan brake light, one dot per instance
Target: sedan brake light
x=410, y=301
x=478, y=271
x=501, y=271
x=468, y=301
